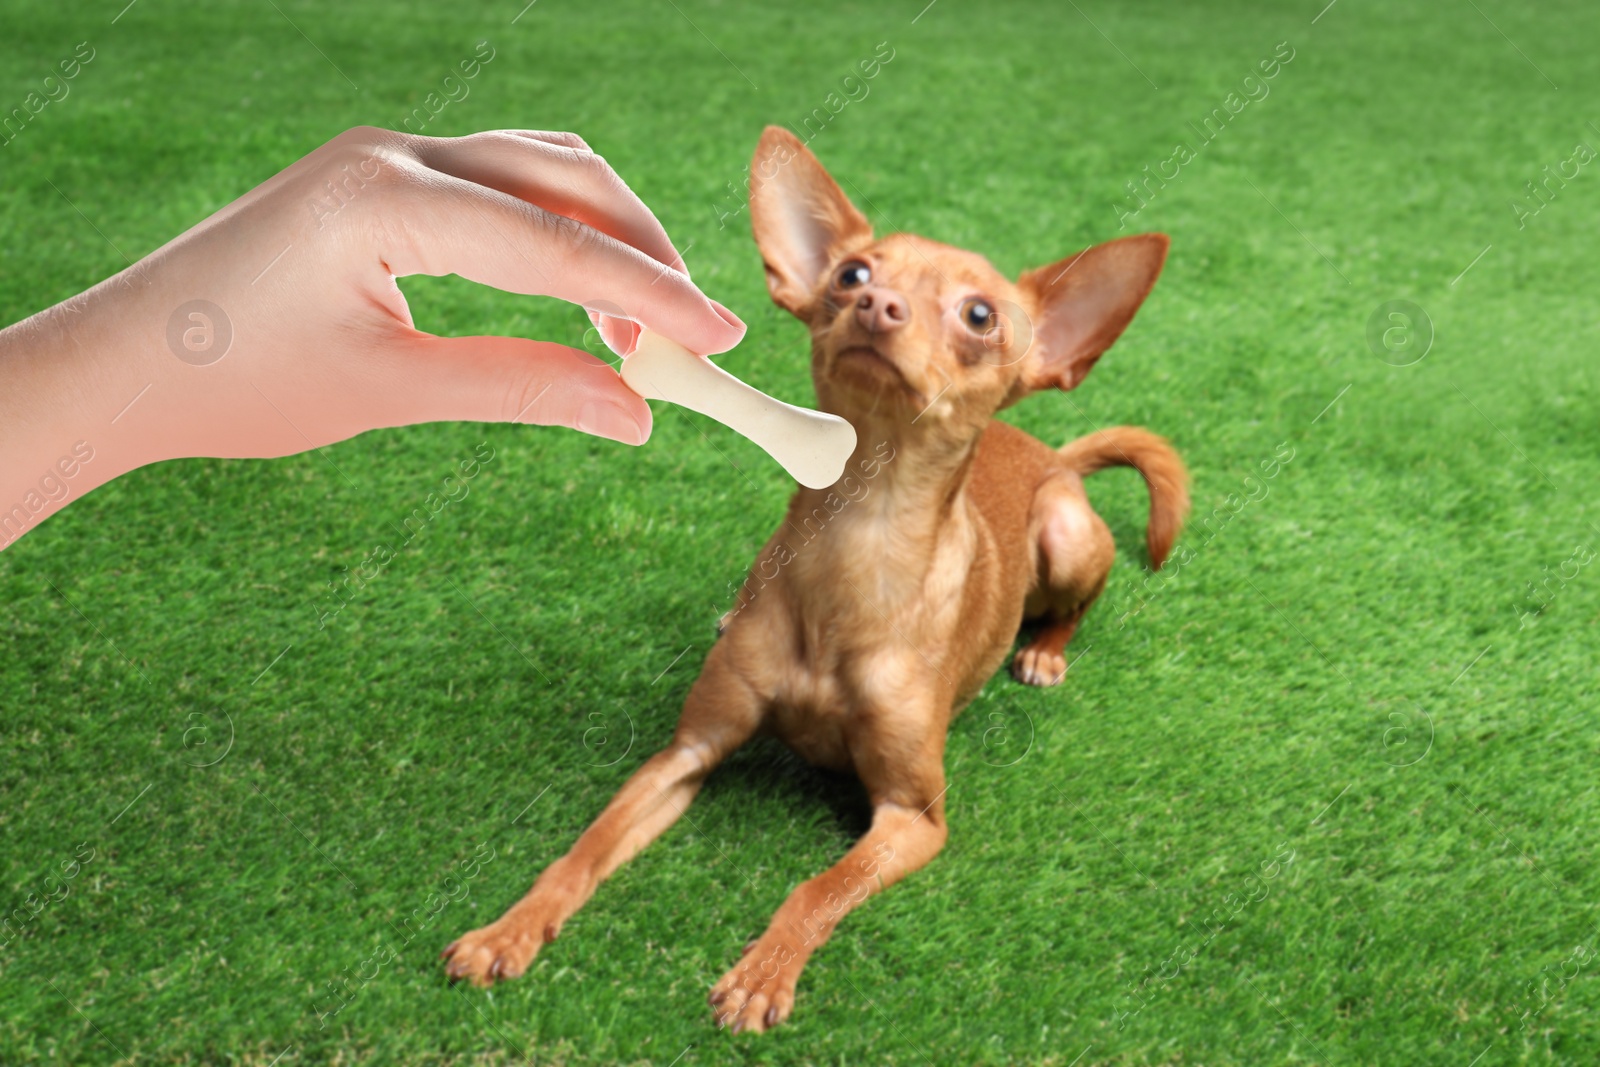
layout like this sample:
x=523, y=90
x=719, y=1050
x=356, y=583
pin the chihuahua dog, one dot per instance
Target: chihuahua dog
x=882, y=605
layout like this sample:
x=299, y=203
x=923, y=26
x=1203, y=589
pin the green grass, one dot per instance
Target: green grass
x=1247, y=706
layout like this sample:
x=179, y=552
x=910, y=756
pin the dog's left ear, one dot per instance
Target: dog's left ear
x=1081, y=305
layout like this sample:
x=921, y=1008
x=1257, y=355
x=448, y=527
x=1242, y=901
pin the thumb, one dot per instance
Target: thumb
x=514, y=379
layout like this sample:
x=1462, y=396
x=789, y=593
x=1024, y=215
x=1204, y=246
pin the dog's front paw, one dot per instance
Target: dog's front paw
x=758, y=994
x=501, y=950
x=1039, y=666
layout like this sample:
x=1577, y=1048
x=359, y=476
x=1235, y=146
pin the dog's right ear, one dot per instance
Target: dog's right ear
x=801, y=218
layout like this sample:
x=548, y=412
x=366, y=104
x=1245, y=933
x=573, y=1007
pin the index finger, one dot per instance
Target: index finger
x=447, y=225
x=558, y=177
x=560, y=173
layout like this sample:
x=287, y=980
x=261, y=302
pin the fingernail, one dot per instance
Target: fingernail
x=727, y=316
x=605, y=419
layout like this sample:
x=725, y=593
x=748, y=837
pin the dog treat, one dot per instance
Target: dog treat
x=811, y=445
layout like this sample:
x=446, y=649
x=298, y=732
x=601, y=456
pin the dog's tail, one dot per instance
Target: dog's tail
x=1163, y=471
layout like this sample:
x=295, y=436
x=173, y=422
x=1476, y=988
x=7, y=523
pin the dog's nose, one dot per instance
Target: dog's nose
x=881, y=310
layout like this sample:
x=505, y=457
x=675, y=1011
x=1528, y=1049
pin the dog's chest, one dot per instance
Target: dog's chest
x=871, y=614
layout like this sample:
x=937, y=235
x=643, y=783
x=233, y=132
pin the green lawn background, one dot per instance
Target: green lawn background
x=509, y=669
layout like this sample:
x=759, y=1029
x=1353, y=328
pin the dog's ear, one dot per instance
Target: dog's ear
x=1082, y=304
x=802, y=220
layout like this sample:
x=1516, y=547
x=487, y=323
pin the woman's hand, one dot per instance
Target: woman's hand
x=276, y=325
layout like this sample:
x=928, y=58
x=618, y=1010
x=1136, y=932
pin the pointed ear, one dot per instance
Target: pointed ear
x=802, y=220
x=1083, y=303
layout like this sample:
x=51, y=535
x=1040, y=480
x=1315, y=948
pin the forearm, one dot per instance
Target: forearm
x=61, y=426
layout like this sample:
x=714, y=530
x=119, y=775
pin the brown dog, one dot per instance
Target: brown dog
x=882, y=605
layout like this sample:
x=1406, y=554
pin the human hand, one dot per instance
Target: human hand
x=304, y=338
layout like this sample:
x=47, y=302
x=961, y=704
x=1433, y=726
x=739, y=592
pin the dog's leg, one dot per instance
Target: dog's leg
x=908, y=830
x=721, y=713
x=1075, y=556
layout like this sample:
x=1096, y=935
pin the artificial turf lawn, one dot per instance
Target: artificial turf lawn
x=1279, y=697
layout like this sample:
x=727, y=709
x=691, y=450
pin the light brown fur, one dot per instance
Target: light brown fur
x=883, y=604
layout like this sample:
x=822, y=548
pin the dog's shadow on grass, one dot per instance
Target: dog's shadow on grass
x=767, y=769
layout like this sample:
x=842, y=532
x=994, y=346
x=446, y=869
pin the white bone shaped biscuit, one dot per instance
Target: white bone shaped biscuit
x=811, y=445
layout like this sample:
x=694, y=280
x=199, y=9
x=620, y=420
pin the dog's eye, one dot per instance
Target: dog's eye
x=852, y=274
x=978, y=315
